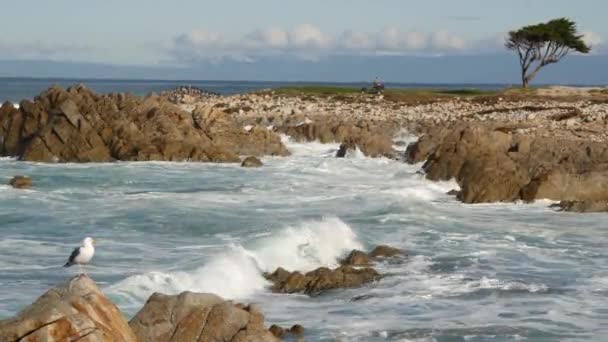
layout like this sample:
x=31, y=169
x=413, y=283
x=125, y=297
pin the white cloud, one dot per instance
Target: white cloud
x=309, y=36
x=444, y=40
x=311, y=43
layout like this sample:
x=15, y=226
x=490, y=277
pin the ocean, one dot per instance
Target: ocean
x=490, y=272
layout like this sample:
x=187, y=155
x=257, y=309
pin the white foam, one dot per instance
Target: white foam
x=237, y=273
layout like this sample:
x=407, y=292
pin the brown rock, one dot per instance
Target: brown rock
x=583, y=206
x=20, y=182
x=251, y=161
x=384, y=251
x=297, y=330
x=77, y=125
x=357, y=258
x=321, y=279
x=372, y=140
x=491, y=163
x=277, y=331
x=77, y=310
x=198, y=317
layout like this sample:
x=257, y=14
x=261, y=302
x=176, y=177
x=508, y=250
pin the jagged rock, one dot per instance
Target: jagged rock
x=198, y=317
x=20, y=182
x=491, y=163
x=77, y=125
x=321, y=279
x=74, y=311
x=251, y=161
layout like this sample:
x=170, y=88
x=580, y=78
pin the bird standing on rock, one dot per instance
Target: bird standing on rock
x=83, y=254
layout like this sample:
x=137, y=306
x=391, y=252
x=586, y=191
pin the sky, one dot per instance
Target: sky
x=194, y=34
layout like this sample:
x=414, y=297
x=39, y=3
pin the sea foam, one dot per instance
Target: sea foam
x=237, y=272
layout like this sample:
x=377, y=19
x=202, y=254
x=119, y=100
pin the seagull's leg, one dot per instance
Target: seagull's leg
x=80, y=268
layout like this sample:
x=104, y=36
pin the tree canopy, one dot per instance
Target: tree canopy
x=542, y=44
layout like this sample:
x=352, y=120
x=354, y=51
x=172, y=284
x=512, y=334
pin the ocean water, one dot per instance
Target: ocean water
x=495, y=272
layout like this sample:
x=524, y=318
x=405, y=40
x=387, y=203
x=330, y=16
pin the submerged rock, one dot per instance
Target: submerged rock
x=321, y=279
x=21, y=182
x=74, y=311
x=198, y=317
x=251, y=161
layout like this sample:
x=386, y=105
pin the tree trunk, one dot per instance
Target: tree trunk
x=524, y=79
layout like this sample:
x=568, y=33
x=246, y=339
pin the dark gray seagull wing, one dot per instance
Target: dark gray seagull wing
x=72, y=257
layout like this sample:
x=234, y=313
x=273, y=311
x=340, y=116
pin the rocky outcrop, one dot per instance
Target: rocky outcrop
x=74, y=311
x=78, y=311
x=321, y=279
x=374, y=140
x=360, y=258
x=251, y=161
x=77, y=125
x=494, y=162
x=20, y=182
x=353, y=272
x=198, y=317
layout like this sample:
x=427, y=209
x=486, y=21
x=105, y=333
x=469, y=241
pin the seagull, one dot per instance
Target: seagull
x=83, y=254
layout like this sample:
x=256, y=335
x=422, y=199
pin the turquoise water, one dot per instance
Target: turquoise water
x=497, y=272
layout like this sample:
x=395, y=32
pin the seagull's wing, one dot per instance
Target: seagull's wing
x=72, y=257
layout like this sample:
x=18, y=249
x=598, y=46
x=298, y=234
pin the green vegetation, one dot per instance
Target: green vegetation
x=392, y=92
x=542, y=44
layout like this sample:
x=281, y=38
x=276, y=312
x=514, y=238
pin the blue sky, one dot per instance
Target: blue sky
x=189, y=32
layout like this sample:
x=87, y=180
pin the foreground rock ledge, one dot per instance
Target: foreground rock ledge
x=78, y=125
x=78, y=311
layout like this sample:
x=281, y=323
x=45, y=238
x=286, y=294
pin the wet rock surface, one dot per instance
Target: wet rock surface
x=353, y=272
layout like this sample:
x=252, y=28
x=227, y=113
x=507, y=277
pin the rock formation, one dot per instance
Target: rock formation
x=353, y=272
x=372, y=140
x=74, y=311
x=321, y=279
x=78, y=311
x=251, y=161
x=493, y=162
x=198, y=317
x=20, y=182
x=77, y=125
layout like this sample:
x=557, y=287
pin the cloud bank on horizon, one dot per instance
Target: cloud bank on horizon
x=194, y=33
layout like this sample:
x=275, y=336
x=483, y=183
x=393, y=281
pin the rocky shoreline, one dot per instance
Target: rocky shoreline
x=509, y=146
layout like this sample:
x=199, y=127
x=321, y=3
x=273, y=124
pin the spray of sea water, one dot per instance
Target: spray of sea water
x=495, y=272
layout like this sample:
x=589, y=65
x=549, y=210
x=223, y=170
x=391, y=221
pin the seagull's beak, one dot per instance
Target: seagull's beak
x=93, y=241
